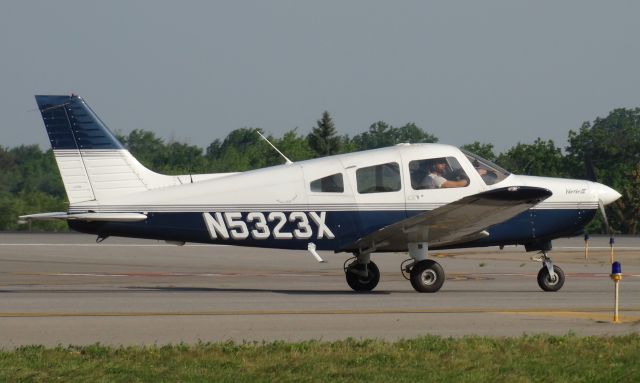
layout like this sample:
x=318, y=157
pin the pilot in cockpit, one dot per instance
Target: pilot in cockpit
x=437, y=174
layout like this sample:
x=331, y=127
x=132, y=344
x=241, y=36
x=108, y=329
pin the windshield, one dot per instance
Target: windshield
x=490, y=172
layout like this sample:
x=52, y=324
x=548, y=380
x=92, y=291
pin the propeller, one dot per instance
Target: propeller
x=606, y=195
x=604, y=216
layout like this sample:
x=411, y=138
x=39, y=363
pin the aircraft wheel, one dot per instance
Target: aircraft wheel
x=427, y=276
x=545, y=281
x=360, y=283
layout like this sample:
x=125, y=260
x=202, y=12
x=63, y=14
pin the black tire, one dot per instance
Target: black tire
x=546, y=283
x=427, y=276
x=360, y=283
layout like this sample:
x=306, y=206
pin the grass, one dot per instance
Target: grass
x=472, y=359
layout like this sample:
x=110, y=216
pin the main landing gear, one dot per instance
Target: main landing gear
x=425, y=275
x=362, y=274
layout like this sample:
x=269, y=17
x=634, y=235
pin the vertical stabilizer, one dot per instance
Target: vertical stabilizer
x=93, y=163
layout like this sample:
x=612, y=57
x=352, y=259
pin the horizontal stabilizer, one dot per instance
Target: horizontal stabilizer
x=89, y=216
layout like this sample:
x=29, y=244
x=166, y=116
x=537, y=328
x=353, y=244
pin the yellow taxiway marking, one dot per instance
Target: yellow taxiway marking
x=587, y=313
x=594, y=316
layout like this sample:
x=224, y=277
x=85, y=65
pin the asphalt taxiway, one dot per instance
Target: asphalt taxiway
x=66, y=289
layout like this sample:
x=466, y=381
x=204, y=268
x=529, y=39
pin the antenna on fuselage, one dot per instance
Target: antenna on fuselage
x=276, y=149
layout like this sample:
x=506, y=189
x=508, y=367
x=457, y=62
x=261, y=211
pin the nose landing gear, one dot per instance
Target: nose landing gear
x=550, y=277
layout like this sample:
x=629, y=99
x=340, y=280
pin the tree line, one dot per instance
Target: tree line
x=606, y=150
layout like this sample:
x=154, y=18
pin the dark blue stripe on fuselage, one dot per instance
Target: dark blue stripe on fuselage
x=348, y=226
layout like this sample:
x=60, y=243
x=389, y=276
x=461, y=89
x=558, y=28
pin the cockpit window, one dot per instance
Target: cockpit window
x=489, y=172
x=436, y=173
x=328, y=184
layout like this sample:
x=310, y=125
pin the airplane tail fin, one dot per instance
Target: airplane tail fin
x=93, y=164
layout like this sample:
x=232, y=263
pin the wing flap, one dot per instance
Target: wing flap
x=460, y=221
x=89, y=216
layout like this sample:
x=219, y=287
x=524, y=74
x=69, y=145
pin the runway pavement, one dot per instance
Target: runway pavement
x=66, y=289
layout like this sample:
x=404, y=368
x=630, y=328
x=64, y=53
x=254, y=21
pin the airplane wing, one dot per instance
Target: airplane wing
x=457, y=222
x=89, y=216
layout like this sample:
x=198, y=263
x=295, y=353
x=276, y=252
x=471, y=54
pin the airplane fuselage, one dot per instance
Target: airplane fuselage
x=281, y=207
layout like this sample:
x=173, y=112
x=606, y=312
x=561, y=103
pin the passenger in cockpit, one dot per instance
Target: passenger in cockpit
x=489, y=177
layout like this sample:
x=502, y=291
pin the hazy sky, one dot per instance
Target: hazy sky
x=493, y=71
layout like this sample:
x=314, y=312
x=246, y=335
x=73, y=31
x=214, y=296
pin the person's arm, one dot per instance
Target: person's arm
x=442, y=182
x=454, y=184
x=438, y=180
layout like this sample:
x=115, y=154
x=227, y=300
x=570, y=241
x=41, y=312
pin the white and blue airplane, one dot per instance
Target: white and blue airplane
x=405, y=198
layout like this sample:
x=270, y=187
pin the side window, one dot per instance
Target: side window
x=435, y=173
x=328, y=184
x=379, y=178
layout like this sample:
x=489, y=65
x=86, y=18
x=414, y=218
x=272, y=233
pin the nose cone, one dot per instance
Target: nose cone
x=605, y=194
